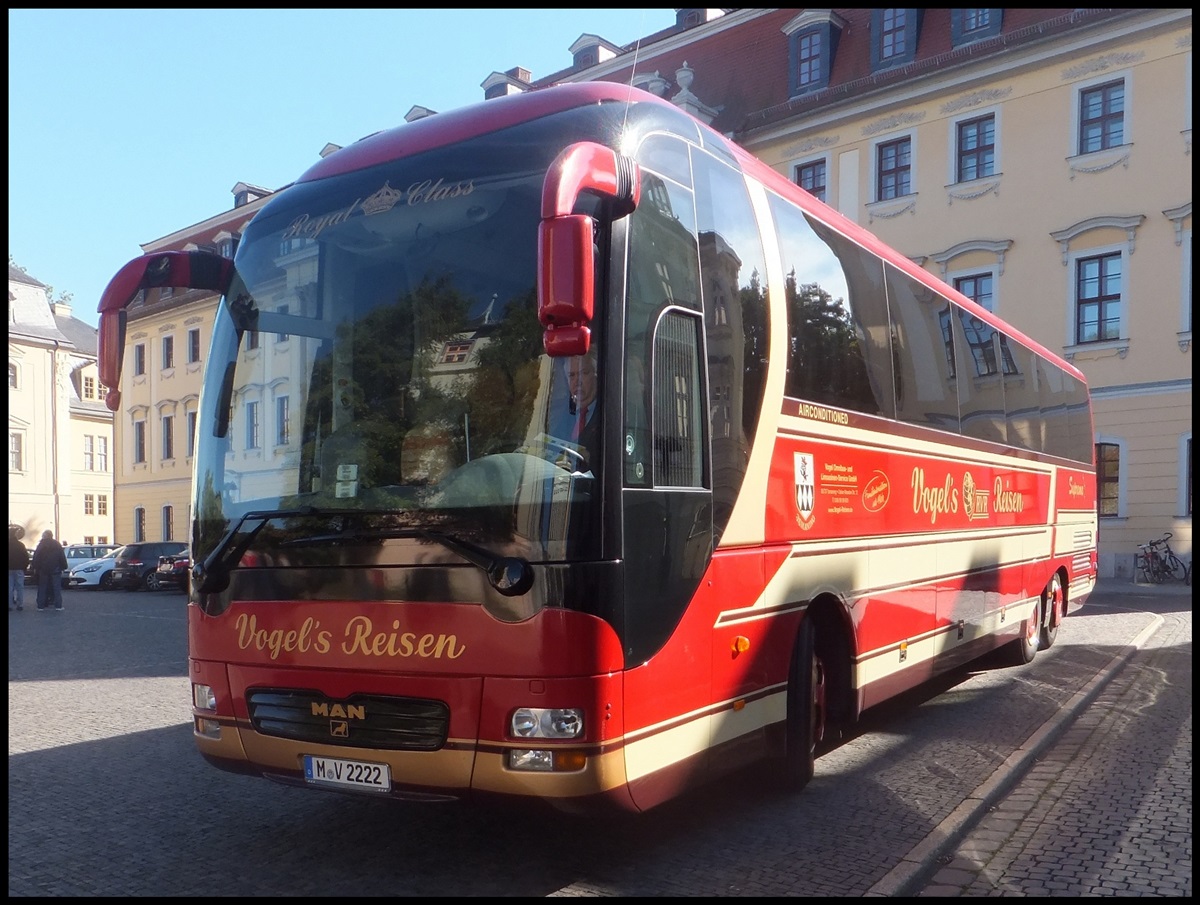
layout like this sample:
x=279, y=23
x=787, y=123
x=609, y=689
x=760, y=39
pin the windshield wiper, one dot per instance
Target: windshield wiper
x=511, y=576
x=212, y=575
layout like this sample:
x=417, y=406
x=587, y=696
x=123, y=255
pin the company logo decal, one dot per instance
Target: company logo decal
x=806, y=489
x=975, y=499
x=876, y=492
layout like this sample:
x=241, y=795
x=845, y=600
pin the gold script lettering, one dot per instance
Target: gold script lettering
x=361, y=638
x=933, y=501
x=309, y=637
x=1006, y=500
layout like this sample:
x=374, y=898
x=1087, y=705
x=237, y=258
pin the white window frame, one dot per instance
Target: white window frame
x=16, y=447
x=993, y=270
x=1181, y=476
x=952, y=149
x=1072, y=339
x=1125, y=75
x=795, y=165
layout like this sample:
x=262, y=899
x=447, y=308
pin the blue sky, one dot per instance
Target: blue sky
x=126, y=125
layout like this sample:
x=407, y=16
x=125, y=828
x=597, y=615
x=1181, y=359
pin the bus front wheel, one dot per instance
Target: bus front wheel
x=805, y=710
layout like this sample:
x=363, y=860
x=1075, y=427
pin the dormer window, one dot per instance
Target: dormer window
x=894, y=37
x=969, y=25
x=812, y=43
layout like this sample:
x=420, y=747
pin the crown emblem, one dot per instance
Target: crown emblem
x=382, y=201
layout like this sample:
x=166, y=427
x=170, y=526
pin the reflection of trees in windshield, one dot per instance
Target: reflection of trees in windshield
x=824, y=350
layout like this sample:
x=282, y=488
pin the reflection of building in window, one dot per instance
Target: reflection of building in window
x=976, y=148
x=982, y=345
x=139, y=524
x=168, y=517
x=456, y=352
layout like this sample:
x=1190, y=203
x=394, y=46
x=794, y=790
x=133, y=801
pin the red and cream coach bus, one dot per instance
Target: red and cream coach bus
x=810, y=475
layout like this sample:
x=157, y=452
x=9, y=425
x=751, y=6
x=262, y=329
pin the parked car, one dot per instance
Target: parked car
x=77, y=555
x=136, y=564
x=95, y=573
x=172, y=571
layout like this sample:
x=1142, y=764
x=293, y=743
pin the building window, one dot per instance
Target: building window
x=891, y=34
x=227, y=246
x=168, y=352
x=1102, y=117
x=894, y=169
x=281, y=337
x=894, y=36
x=251, y=340
x=12, y=377
x=811, y=178
x=1098, y=298
x=808, y=65
x=139, y=359
x=16, y=454
x=976, y=148
x=1108, y=479
x=139, y=524
x=168, y=513
x=456, y=352
x=968, y=25
x=191, y=434
x=102, y=454
x=282, y=431
x=89, y=452
x=252, y=438
x=1187, y=479
x=89, y=388
x=102, y=505
x=89, y=504
x=166, y=292
x=139, y=442
x=193, y=352
x=168, y=437
x=978, y=288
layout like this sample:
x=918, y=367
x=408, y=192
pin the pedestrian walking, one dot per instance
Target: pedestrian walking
x=49, y=561
x=18, y=559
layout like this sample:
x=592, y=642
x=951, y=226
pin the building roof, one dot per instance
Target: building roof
x=741, y=61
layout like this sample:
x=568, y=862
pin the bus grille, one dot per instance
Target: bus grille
x=363, y=720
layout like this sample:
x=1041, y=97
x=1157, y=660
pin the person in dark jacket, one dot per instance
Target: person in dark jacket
x=49, y=562
x=18, y=559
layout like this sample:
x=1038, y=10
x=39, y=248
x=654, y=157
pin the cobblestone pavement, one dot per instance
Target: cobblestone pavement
x=1107, y=808
x=107, y=795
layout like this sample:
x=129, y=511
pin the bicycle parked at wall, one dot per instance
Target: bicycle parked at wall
x=1156, y=562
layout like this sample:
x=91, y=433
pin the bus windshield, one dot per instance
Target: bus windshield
x=379, y=352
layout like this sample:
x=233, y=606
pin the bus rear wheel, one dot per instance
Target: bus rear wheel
x=1026, y=646
x=805, y=711
x=1053, y=600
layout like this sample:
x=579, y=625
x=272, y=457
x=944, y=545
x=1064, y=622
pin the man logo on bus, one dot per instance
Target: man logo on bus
x=806, y=489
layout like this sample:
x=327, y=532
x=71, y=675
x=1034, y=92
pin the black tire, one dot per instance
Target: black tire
x=1175, y=567
x=106, y=581
x=151, y=581
x=1025, y=648
x=1053, y=607
x=805, y=711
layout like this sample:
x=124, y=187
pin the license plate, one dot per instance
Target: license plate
x=347, y=774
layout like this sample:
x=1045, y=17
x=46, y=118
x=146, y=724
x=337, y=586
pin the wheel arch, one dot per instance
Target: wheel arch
x=834, y=646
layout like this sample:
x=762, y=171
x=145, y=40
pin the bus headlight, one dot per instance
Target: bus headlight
x=547, y=722
x=204, y=697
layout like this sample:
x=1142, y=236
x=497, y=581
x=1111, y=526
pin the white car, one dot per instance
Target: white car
x=95, y=573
